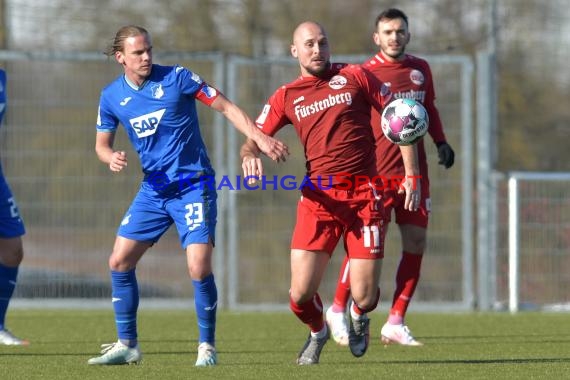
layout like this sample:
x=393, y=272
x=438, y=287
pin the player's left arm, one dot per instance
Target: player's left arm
x=271, y=147
x=411, y=183
x=444, y=150
x=251, y=163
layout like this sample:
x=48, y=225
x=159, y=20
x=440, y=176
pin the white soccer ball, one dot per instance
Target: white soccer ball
x=404, y=121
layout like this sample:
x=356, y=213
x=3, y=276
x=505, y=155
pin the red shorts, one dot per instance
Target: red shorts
x=323, y=216
x=394, y=201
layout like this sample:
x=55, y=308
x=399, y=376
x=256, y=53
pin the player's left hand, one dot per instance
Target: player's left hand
x=411, y=185
x=446, y=155
x=272, y=148
x=252, y=168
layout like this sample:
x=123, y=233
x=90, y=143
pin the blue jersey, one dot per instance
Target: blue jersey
x=11, y=224
x=161, y=121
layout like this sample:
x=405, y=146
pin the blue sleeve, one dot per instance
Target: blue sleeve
x=188, y=81
x=106, y=120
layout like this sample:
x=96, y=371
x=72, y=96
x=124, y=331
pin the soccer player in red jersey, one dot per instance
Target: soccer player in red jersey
x=407, y=76
x=329, y=106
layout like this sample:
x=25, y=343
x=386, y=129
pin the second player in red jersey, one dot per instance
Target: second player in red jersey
x=407, y=76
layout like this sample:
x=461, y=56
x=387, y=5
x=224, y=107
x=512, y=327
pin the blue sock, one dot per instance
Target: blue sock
x=8, y=277
x=206, y=302
x=125, y=303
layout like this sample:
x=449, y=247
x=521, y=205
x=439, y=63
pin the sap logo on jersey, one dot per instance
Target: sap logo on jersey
x=147, y=125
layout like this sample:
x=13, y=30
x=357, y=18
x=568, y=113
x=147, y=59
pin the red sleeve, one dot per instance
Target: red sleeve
x=378, y=93
x=207, y=94
x=435, y=126
x=272, y=118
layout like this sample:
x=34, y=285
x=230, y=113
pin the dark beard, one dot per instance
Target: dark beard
x=320, y=71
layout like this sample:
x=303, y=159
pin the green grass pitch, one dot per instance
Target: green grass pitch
x=264, y=346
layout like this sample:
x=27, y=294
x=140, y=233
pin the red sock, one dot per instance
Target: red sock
x=310, y=312
x=342, y=293
x=407, y=279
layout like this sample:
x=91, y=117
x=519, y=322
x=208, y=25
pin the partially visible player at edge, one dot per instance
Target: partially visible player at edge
x=329, y=106
x=157, y=107
x=408, y=77
x=11, y=249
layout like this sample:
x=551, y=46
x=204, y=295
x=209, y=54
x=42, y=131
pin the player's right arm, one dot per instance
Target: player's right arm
x=105, y=138
x=116, y=160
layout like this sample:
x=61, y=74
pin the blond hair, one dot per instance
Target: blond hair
x=123, y=33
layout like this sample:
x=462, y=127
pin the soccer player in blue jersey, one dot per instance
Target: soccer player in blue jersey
x=11, y=250
x=157, y=107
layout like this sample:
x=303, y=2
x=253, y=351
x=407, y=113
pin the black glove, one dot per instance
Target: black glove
x=446, y=154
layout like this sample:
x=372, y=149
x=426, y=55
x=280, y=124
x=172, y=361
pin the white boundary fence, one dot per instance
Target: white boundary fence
x=71, y=217
x=514, y=227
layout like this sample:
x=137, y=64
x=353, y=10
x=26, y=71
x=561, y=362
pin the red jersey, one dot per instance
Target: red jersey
x=410, y=78
x=331, y=115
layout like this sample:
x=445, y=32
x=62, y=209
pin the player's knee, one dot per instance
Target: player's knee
x=198, y=272
x=417, y=247
x=118, y=264
x=13, y=256
x=300, y=296
x=368, y=302
x=199, y=267
x=415, y=242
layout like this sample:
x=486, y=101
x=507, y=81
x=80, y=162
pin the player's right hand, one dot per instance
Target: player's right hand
x=252, y=169
x=118, y=161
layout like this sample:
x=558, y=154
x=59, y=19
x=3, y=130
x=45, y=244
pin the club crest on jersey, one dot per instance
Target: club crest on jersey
x=337, y=82
x=417, y=77
x=147, y=125
x=157, y=91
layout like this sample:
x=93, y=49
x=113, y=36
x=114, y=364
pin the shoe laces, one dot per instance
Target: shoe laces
x=360, y=325
x=407, y=333
x=313, y=347
x=206, y=350
x=112, y=347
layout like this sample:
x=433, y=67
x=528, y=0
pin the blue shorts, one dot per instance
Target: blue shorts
x=11, y=224
x=193, y=211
